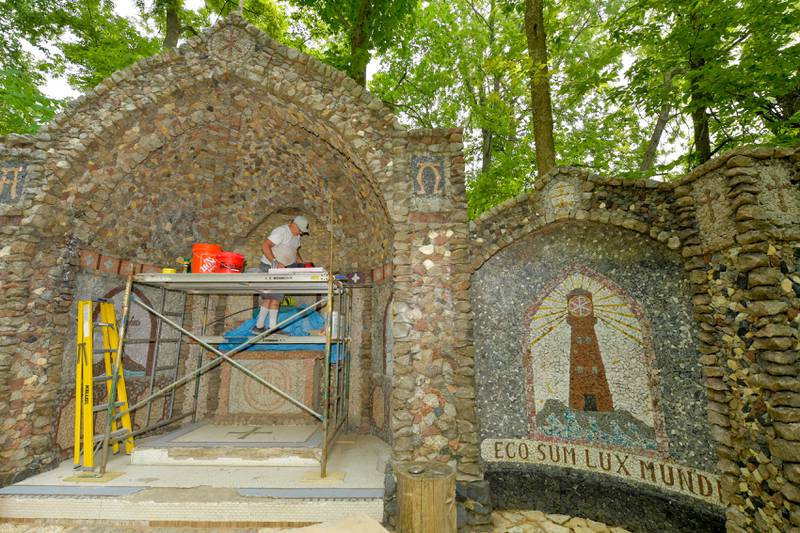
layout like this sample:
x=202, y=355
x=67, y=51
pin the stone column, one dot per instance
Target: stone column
x=30, y=302
x=746, y=271
x=433, y=398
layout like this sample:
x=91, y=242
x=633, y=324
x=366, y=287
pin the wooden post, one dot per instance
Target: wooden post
x=426, y=496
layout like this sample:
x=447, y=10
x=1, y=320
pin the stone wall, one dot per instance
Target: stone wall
x=380, y=367
x=141, y=356
x=720, y=311
x=27, y=372
x=211, y=143
x=433, y=400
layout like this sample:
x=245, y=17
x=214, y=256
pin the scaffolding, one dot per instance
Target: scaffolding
x=333, y=294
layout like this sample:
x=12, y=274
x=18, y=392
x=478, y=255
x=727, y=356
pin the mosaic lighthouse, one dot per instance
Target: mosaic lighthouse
x=588, y=386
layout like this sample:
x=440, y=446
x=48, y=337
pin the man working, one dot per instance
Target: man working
x=280, y=250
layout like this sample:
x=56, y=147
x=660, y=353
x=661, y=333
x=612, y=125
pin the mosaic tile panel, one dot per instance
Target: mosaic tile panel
x=589, y=364
x=242, y=395
x=12, y=181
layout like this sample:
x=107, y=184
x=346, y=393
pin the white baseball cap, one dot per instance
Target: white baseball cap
x=301, y=222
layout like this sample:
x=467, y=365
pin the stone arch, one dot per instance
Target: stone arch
x=111, y=115
x=241, y=155
x=532, y=211
x=76, y=189
x=270, y=69
x=103, y=147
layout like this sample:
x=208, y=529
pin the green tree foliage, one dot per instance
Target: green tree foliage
x=467, y=64
x=358, y=28
x=101, y=44
x=22, y=103
x=732, y=66
x=462, y=67
x=263, y=14
x=174, y=21
x=639, y=87
x=84, y=39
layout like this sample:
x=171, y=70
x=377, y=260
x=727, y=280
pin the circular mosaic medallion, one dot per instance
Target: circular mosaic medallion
x=258, y=398
x=231, y=44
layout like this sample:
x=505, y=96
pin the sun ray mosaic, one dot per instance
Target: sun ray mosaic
x=590, y=364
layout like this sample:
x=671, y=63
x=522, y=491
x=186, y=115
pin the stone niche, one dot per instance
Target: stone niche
x=590, y=393
x=218, y=142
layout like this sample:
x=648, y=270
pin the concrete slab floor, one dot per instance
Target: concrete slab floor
x=357, y=461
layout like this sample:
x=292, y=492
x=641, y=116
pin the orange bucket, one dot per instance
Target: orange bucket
x=229, y=263
x=204, y=258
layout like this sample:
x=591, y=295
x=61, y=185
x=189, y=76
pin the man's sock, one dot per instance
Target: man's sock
x=262, y=316
x=273, y=317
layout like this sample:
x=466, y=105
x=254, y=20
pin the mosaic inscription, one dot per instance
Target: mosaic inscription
x=428, y=175
x=589, y=365
x=12, y=181
x=631, y=467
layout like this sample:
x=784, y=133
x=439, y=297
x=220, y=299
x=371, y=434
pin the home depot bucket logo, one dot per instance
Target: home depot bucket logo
x=208, y=265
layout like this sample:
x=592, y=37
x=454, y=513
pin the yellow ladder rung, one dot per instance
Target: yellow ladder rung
x=85, y=380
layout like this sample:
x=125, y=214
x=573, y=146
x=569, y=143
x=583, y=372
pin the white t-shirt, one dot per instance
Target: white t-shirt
x=285, y=245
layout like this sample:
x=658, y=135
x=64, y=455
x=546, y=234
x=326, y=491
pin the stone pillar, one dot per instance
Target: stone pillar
x=433, y=397
x=30, y=302
x=744, y=260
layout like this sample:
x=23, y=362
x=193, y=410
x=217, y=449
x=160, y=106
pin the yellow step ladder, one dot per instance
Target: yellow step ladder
x=85, y=409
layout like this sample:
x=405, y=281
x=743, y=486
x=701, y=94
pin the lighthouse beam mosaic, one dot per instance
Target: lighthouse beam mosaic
x=589, y=365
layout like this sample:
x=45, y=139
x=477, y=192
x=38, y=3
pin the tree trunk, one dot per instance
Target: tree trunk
x=173, y=31
x=359, y=44
x=540, y=87
x=487, y=143
x=426, y=498
x=663, y=117
x=655, y=139
x=698, y=106
x=487, y=135
x=699, y=112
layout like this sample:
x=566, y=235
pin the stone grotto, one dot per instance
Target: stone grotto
x=621, y=350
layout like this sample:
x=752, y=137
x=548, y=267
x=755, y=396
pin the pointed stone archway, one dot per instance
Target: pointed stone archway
x=203, y=144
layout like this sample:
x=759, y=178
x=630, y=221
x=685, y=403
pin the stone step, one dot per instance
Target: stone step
x=218, y=445
x=226, y=456
x=200, y=506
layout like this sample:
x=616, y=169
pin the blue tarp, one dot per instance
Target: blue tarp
x=299, y=327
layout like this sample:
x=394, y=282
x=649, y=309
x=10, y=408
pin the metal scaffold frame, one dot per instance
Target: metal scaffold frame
x=335, y=296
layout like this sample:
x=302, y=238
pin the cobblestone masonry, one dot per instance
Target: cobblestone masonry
x=735, y=223
x=204, y=144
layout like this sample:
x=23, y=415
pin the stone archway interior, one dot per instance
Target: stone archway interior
x=221, y=164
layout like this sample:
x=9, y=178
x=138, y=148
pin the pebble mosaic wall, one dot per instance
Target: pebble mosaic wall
x=141, y=357
x=708, y=265
x=206, y=143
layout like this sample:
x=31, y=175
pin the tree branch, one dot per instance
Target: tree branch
x=478, y=13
